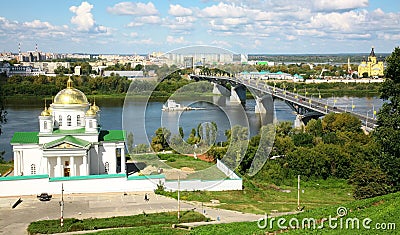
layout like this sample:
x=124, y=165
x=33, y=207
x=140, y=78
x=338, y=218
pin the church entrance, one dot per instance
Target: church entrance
x=66, y=172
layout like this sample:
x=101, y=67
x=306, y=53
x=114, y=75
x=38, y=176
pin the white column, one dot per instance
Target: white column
x=45, y=169
x=16, y=171
x=85, y=165
x=58, y=172
x=123, y=160
x=21, y=163
x=72, y=166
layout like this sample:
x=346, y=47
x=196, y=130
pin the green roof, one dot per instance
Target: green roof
x=77, y=131
x=25, y=138
x=112, y=135
x=68, y=139
x=88, y=177
x=23, y=177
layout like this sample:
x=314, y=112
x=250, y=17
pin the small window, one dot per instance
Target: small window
x=106, y=167
x=60, y=120
x=69, y=120
x=90, y=124
x=45, y=125
x=33, y=169
x=66, y=163
x=78, y=120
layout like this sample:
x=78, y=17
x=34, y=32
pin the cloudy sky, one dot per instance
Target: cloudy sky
x=246, y=26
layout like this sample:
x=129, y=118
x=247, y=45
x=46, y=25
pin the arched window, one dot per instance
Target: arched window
x=45, y=125
x=90, y=124
x=33, y=169
x=59, y=120
x=106, y=167
x=69, y=120
x=78, y=120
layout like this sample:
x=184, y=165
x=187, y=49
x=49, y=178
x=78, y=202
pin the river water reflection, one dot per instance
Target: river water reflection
x=25, y=118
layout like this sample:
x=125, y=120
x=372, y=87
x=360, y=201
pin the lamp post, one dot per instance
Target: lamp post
x=352, y=105
x=366, y=120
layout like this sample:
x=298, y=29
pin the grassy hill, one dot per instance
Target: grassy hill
x=377, y=213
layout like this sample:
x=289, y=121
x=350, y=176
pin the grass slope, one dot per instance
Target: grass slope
x=142, y=220
x=382, y=210
x=260, y=197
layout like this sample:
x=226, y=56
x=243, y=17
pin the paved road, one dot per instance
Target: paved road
x=15, y=221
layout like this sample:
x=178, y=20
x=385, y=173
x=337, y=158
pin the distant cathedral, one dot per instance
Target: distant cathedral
x=371, y=66
x=70, y=141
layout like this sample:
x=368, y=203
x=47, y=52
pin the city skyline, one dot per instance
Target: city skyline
x=251, y=26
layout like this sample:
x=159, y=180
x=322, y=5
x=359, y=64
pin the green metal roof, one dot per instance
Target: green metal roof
x=112, y=135
x=25, y=138
x=67, y=139
x=88, y=177
x=77, y=131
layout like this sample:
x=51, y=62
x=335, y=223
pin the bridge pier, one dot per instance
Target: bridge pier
x=238, y=94
x=261, y=105
x=220, y=90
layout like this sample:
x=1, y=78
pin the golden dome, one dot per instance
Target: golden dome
x=45, y=112
x=95, y=107
x=90, y=112
x=70, y=95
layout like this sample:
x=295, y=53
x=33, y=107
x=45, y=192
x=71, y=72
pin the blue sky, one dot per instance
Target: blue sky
x=247, y=26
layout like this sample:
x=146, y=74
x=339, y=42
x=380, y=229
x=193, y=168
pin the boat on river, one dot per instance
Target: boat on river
x=171, y=105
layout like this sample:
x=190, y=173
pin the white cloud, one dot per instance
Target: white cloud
x=339, y=5
x=176, y=40
x=133, y=8
x=133, y=34
x=178, y=10
x=223, y=10
x=83, y=18
x=140, y=21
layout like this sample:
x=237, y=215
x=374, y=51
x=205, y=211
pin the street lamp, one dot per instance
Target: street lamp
x=366, y=120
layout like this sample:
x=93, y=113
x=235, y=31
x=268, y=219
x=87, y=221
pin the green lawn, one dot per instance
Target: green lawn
x=143, y=220
x=381, y=211
x=179, y=161
x=261, y=197
x=4, y=167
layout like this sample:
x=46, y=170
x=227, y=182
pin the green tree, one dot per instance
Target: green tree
x=160, y=141
x=370, y=181
x=3, y=119
x=387, y=133
x=129, y=141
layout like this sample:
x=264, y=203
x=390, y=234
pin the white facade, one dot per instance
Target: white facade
x=70, y=141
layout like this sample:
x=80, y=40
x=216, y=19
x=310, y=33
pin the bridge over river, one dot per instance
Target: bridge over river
x=306, y=107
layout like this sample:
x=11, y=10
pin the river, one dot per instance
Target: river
x=224, y=114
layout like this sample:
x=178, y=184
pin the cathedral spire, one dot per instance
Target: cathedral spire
x=69, y=83
x=372, y=54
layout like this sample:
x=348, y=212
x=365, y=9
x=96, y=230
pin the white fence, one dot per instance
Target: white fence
x=36, y=184
x=234, y=182
x=28, y=185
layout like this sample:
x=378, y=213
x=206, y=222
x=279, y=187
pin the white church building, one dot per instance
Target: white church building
x=70, y=141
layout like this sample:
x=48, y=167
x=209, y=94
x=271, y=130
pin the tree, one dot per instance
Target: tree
x=369, y=180
x=3, y=119
x=129, y=141
x=160, y=140
x=387, y=133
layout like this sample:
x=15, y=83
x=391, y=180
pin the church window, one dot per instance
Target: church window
x=78, y=120
x=45, y=125
x=107, y=167
x=33, y=169
x=69, y=120
x=60, y=120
